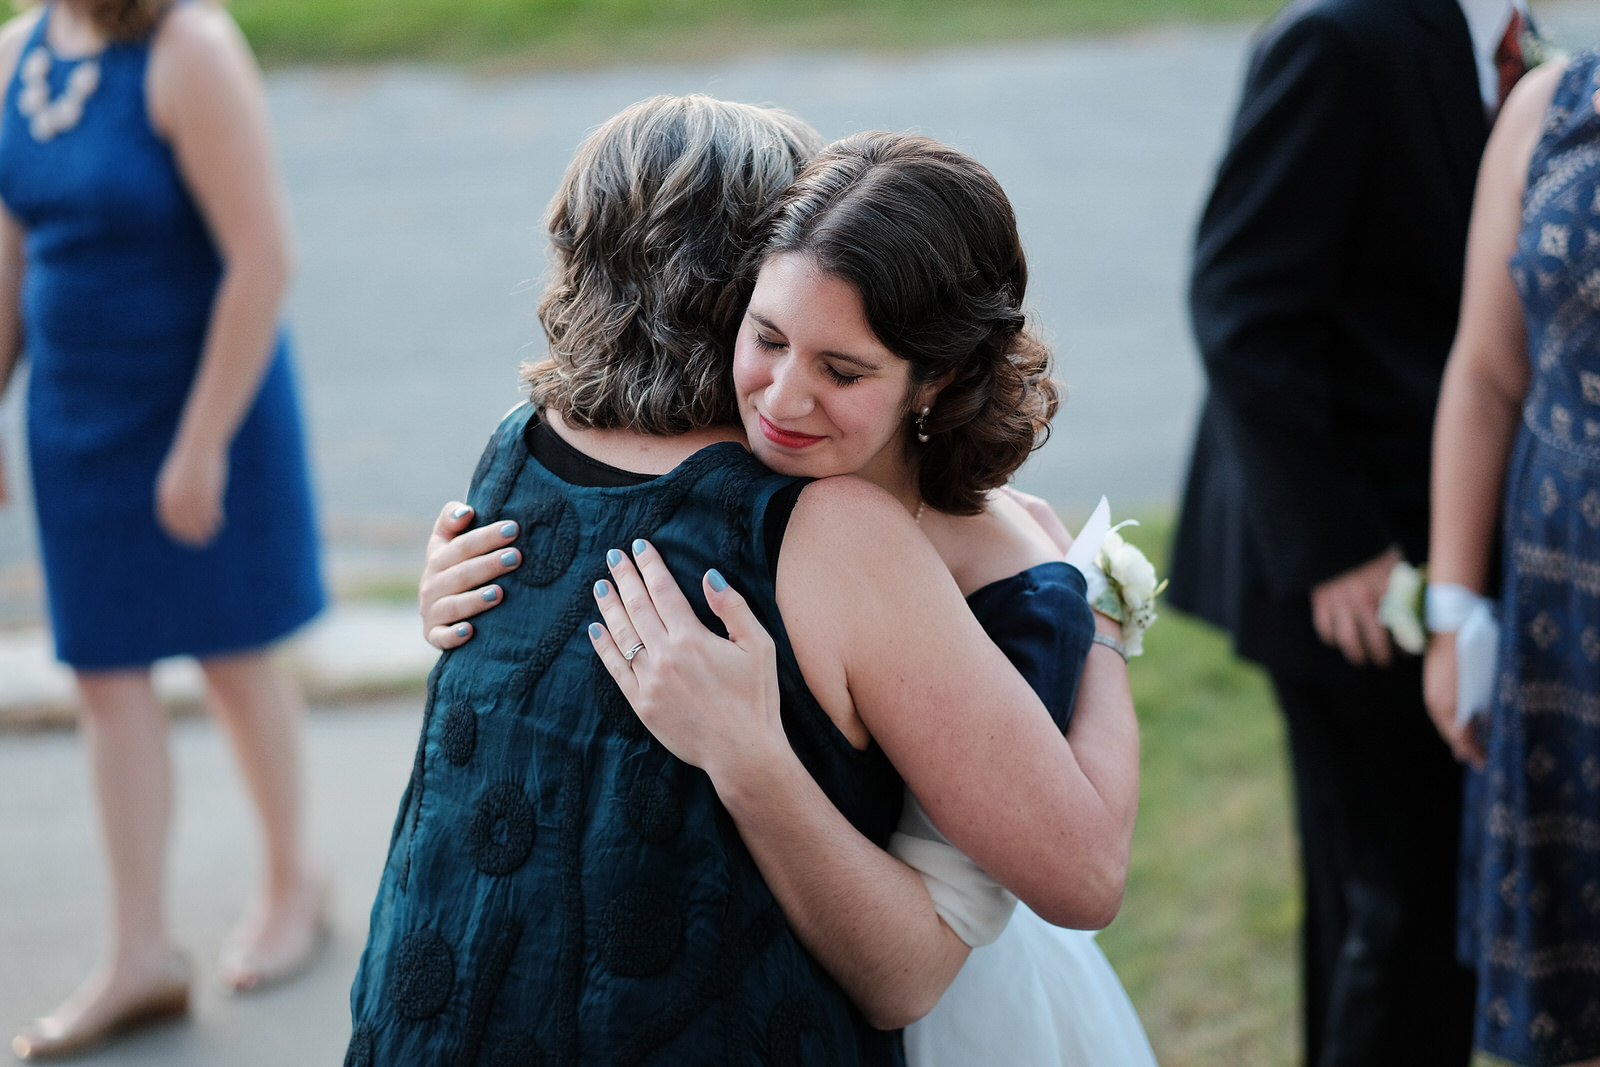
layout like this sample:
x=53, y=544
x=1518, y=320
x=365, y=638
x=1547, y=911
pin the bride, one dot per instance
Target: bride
x=885, y=338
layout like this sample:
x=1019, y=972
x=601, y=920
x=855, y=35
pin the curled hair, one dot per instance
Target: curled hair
x=125, y=20
x=648, y=232
x=928, y=239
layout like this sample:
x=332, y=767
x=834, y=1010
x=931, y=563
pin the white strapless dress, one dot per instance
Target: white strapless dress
x=1030, y=994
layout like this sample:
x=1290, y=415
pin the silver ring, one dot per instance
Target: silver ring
x=634, y=651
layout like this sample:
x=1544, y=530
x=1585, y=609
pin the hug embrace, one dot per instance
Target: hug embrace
x=798, y=379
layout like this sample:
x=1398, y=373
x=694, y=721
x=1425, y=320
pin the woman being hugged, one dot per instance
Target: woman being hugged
x=144, y=253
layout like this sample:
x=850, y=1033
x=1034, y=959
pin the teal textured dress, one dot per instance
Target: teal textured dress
x=560, y=889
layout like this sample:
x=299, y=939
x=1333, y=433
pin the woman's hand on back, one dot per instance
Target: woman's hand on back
x=712, y=701
x=458, y=577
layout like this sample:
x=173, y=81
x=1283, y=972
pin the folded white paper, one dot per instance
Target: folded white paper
x=1085, y=550
x=1477, y=644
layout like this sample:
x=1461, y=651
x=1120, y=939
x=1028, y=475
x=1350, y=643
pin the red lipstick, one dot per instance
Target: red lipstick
x=785, y=438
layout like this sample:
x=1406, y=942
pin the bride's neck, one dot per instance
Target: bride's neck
x=896, y=475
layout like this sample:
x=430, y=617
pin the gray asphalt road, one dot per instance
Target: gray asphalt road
x=417, y=195
x=52, y=884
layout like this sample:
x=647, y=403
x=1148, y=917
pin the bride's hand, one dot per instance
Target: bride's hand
x=1040, y=511
x=713, y=702
x=457, y=579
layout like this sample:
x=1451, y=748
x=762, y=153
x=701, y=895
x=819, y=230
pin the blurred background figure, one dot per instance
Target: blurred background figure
x=1327, y=278
x=1520, y=409
x=143, y=256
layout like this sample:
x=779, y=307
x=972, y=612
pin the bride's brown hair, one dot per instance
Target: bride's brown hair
x=928, y=240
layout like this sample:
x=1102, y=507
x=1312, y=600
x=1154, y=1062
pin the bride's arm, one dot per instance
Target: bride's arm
x=857, y=910
x=866, y=916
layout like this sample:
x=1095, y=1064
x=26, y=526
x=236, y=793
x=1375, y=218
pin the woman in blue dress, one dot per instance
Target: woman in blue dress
x=885, y=338
x=1517, y=446
x=143, y=257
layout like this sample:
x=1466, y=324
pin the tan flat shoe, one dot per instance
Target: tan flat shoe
x=49, y=1037
x=244, y=970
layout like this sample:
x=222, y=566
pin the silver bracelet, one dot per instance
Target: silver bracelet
x=1112, y=643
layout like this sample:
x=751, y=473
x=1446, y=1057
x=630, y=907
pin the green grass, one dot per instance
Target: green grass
x=566, y=33
x=1207, y=939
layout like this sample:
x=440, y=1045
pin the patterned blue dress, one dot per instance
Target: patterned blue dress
x=116, y=297
x=1531, y=851
x=562, y=890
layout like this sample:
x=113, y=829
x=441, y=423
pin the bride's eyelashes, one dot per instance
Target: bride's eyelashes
x=767, y=344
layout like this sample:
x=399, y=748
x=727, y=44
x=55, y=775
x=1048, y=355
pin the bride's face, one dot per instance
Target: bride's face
x=819, y=394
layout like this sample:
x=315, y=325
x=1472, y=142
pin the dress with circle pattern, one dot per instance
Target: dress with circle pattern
x=560, y=888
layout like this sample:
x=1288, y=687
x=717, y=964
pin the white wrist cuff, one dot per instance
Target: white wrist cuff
x=1446, y=606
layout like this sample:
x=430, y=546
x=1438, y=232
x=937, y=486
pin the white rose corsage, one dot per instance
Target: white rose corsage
x=1411, y=609
x=1122, y=581
x=1400, y=608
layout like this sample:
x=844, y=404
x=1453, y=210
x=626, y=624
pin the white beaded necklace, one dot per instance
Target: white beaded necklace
x=47, y=117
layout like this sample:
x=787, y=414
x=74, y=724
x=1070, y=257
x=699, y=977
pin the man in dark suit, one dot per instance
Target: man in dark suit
x=1326, y=286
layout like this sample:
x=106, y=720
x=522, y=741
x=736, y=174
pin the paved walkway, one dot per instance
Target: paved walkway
x=417, y=195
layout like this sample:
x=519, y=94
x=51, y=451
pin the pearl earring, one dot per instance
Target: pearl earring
x=922, y=425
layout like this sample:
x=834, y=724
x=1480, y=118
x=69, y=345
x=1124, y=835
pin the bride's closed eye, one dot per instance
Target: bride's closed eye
x=766, y=344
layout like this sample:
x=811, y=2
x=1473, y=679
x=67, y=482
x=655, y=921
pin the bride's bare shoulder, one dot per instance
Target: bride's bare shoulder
x=999, y=541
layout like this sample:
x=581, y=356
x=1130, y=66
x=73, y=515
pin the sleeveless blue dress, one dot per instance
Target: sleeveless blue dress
x=562, y=890
x=117, y=293
x=1531, y=850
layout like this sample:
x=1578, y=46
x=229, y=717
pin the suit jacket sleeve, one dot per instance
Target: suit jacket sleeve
x=1265, y=300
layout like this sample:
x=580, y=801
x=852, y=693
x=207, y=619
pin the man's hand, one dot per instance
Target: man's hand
x=1344, y=610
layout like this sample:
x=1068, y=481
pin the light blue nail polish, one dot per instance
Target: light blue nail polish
x=638, y=546
x=458, y=512
x=614, y=557
x=508, y=530
x=508, y=558
x=602, y=587
x=463, y=630
x=490, y=594
x=596, y=631
x=715, y=579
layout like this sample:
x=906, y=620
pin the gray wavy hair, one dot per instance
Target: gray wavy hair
x=648, y=231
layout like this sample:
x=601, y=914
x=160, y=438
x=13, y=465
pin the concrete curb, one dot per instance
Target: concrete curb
x=351, y=652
